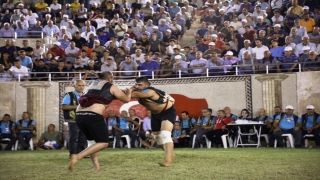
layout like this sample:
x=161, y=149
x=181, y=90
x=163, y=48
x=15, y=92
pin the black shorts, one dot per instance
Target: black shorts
x=156, y=119
x=92, y=126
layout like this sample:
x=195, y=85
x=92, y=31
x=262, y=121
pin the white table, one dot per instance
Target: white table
x=238, y=123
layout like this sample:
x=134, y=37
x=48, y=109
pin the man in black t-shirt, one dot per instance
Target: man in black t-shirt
x=91, y=71
x=41, y=68
x=79, y=40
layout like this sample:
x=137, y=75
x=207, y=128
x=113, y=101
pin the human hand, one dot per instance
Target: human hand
x=277, y=129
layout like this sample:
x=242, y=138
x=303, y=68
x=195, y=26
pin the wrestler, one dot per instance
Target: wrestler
x=89, y=116
x=163, y=114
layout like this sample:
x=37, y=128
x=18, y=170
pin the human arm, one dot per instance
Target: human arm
x=144, y=95
x=124, y=97
x=276, y=125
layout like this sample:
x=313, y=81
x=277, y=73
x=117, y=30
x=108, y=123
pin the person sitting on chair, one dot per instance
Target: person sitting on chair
x=50, y=139
x=7, y=131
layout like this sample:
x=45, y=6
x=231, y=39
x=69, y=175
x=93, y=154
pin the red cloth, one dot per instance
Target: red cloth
x=58, y=52
x=219, y=122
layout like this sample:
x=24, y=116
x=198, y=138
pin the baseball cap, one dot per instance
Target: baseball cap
x=177, y=57
x=288, y=49
x=310, y=107
x=63, y=27
x=70, y=21
x=305, y=7
x=244, y=20
x=57, y=43
x=214, y=35
x=277, y=25
x=212, y=44
x=229, y=53
x=289, y=107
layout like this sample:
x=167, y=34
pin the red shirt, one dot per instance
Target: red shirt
x=58, y=52
x=219, y=122
x=249, y=35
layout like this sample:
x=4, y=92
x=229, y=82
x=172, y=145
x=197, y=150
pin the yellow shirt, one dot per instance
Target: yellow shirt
x=308, y=24
x=298, y=10
x=41, y=6
x=75, y=6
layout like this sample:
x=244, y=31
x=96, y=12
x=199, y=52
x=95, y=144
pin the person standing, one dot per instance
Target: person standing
x=89, y=116
x=77, y=141
x=163, y=114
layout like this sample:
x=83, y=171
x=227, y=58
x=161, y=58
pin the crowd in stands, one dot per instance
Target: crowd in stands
x=185, y=127
x=93, y=36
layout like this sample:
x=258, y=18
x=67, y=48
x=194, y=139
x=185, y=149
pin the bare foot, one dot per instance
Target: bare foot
x=165, y=164
x=173, y=156
x=73, y=161
x=96, y=166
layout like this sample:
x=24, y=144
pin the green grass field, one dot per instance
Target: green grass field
x=199, y=164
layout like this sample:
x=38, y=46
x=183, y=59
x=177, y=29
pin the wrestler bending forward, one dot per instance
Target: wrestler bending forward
x=89, y=116
x=163, y=114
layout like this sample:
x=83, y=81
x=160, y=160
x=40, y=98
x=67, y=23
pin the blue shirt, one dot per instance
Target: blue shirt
x=178, y=132
x=263, y=119
x=84, y=28
x=185, y=123
x=25, y=125
x=291, y=59
x=201, y=32
x=174, y=10
x=5, y=128
x=309, y=122
x=204, y=120
x=26, y=61
x=152, y=65
x=124, y=124
x=277, y=52
x=66, y=99
x=287, y=122
x=64, y=44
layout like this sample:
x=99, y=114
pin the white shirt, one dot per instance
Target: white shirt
x=86, y=35
x=108, y=43
x=38, y=52
x=236, y=25
x=64, y=23
x=82, y=11
x=124, y=27
x=84, y=61
x=227, y=9
x=101, y=23
x=135, y=58
x=276, y=4
x=23, y=71
x=32, y=19
x=299, y=47
x=280, y=18
x=68, y=50
x=260, y=51
x=24, y=23
x=112, y=67
x=55, y=7
x=177, y=27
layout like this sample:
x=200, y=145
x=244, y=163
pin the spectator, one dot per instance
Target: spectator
x=198, y=64
x=35, y=31
x=219, y=128
x=122, y=127
x=288, y=57
x=268, y=121
x=25, y=60
x=63, y=31
x=313, y=63
x=166, y=68
x=121, y=55
x=204, y=125
x=7, y=130
x=14, y=18
x=109, y=65
x=212, y=49
x=315, y=36
x=310, y=124
x=78, y=63
x=65, y=20
x=287, y=124
x=25, y=126
x=21, y=31
x=91, y=71
x=71, y=52
x=128, y=65
x=57, y=52
x=269, y=60
x=61, y=71
x=276, y=51
x=121, y=28
x=41, y=8
x=79, y=40
x=228, y=61
x=178, y=135
x=40, y=68
x=6, y=31
x=31, y=18
x=81, y=13
x=50, y=139
x=55, y=9
x=10, y=49
x=4, y=75
x=151, y=66
x=213, y=64
x=72, y=29
x=50, y=29
x=180, y=65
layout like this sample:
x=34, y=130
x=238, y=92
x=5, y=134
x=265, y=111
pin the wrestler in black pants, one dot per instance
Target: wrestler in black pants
x=78, y=141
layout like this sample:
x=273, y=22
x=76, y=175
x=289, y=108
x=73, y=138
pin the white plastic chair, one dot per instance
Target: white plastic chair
x=121, y=143
x=30, y=144
x=7, y=139
x=224, y=141
x=306, y=139
x=266, y=137
x=289, y=141
x=207, y=141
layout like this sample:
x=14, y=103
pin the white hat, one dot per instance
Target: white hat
x=289, y=107
x=288, y=48
x=310, y=107
x=20, y=4
x=97, y=41
x=244, y=20
x=229, y=53
x=57, y=43
x=277, y=25
x=63, y=27
x=95, y=4
x=177, y=57
x=12, y=40
x=305, y=7
x=48, y=8
x=221, y=10
x=305, y=48
x=70, y=21
x=259, y=17
x=214, y=35
x=49, y=15
x=66, y=15
x=68, y=4
x=155, y=27
x=212, y=44
x=168, y=30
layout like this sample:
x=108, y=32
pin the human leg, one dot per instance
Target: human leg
x=166, y=129
x=74, y=136
x=316, y=133
x=278, y=136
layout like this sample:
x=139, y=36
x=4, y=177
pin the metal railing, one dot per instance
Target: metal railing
x=235, y=70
